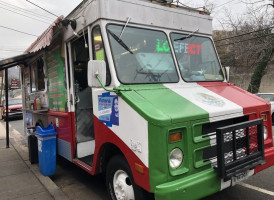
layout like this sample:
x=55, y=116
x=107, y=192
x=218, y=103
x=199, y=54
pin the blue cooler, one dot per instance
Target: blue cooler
x=46, y=149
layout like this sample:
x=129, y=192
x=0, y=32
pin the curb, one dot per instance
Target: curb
x=49, y=185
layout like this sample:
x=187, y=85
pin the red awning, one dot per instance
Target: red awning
x=45, y=39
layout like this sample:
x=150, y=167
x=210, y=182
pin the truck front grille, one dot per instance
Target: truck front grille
x=239, y=147
x=209, y=130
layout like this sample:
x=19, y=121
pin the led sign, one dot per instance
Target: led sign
x=162, y=46
x=179, y=47
x=187, y=48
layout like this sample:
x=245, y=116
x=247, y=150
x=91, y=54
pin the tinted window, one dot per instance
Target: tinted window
x=268, y=97
x=15, y=102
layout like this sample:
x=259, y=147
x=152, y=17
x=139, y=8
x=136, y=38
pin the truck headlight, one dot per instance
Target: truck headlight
x=265, y=132
x=176, y=157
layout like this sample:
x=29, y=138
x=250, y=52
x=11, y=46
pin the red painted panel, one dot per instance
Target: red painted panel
x=66, y=129
x=82, y=165
x=269, y=158
x=252, y=106
x=248, y=101
x=104, y=135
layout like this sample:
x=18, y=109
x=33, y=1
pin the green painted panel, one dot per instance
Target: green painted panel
x=160, y=105
x=168, y=112
x=193, y=187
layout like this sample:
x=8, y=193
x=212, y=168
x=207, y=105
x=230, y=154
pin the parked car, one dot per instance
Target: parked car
x=14, y=108
x=269, y=97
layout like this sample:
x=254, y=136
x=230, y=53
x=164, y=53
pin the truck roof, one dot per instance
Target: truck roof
x=141, y=12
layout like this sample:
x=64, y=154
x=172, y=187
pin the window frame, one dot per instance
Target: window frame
x=105, y=55
x=30, y=65
x=215, y=51
x=144, y=28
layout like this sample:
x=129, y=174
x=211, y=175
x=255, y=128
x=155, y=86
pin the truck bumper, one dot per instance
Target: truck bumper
x=193, y=187
x=202, y=184
x=269, y=158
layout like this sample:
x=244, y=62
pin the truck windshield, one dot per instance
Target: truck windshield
x=141, y=55
x=196, y=58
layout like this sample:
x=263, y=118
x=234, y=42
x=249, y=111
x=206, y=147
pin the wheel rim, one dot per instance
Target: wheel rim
x=122, y=186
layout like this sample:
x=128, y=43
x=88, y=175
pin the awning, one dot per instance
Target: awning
x=41, y=42
x=44, y=40
x=16, y=60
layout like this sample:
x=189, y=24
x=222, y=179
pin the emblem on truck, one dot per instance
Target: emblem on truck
x=209, y=100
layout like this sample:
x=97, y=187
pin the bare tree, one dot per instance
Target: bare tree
x=249, y=43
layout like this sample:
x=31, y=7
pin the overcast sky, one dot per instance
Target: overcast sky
x=35, y=20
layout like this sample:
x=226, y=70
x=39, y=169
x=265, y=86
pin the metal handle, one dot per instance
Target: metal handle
x=77, y=99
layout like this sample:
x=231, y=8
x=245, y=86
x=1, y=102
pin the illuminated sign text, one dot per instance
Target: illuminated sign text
x=179, y=47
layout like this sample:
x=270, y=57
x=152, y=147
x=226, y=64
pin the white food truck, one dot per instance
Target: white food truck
x=135, y=90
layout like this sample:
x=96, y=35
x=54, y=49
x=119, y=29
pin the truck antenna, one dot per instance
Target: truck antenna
x=128, y=19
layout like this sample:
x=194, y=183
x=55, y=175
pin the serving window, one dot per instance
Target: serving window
x=37, y=75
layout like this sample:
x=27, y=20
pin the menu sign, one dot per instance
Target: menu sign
x=56, y=76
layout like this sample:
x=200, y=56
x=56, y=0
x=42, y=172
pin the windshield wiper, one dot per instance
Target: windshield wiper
x=119, y=41
x=188, y=36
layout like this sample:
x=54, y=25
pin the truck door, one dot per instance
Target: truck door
x=85, y=137
x=83, y=101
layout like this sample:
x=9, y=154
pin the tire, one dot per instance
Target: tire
x=120, y=183
x=272, y=118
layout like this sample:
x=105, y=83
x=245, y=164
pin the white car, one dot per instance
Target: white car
x=269, y=97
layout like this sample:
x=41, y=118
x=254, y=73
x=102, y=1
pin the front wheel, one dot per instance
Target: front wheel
x=119, y=181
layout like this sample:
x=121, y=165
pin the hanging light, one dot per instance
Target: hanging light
x=165, y=1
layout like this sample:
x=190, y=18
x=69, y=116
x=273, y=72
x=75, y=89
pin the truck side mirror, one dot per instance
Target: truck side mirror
x=96, y=67
x=227, y=73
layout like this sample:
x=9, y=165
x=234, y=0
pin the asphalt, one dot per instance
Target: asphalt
x=19, y=179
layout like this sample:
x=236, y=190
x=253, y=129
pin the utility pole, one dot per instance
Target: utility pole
x=7, y=107
x=1, y=88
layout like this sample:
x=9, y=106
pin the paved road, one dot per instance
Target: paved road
x=77, y=184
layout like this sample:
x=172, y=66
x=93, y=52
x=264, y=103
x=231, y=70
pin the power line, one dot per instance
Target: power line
x=18, y=31
x=224, y=4
x=245, y=40
x=42, y=8
x=24, y=15
x=24, y=10
x=247, y=33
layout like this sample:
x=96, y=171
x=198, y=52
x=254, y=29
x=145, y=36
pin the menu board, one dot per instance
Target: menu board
x=56, y=75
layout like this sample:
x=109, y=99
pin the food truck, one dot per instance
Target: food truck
x=135, y=89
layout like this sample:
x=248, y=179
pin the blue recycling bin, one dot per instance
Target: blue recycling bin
x=46, y=149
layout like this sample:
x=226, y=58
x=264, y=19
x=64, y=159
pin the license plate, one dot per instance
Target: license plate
x=240, y=177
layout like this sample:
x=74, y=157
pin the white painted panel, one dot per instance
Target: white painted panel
x=218, y=107
x=85, y=148
x=64, y=149
x=140, y=12
x=132, y=129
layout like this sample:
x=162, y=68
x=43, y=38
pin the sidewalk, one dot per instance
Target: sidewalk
x=18, y=178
